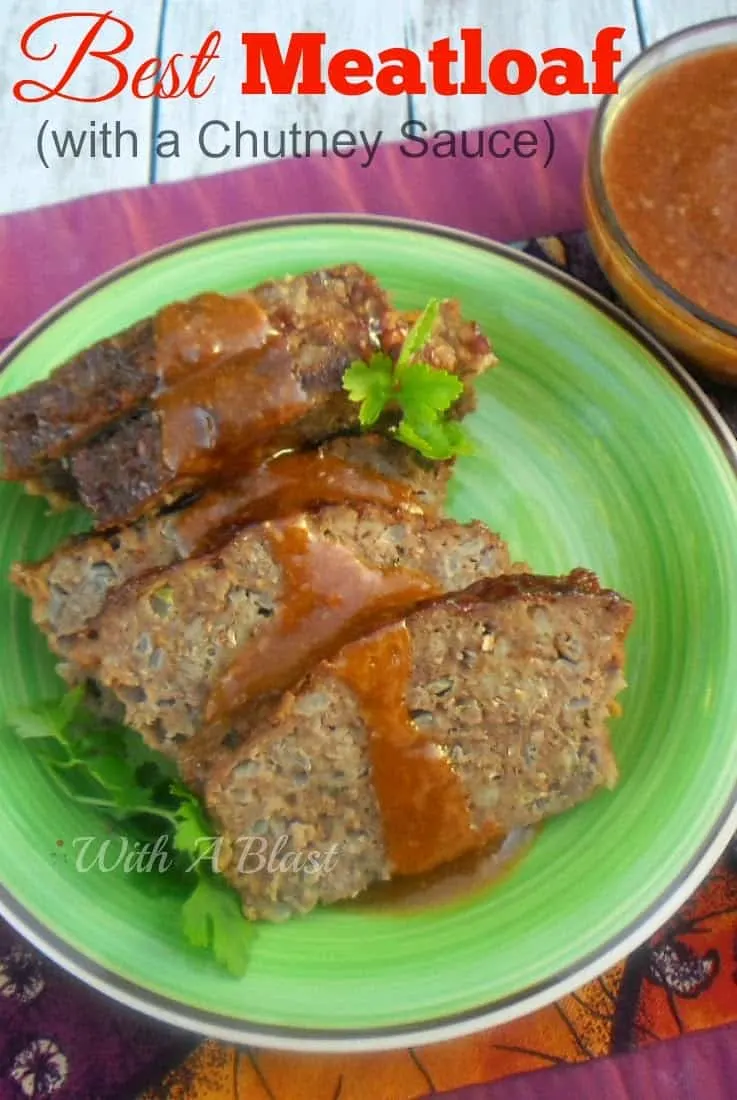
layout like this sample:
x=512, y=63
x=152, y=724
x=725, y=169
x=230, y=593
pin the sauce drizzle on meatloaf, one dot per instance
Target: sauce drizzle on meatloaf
x=285, y=395
x=204, y=330
x=318, y=312
x=424, y=807
x=231, y=412
x=330, y=595
x=71, y=586
x=163, y=641
x=298, y=481
x=512, y=681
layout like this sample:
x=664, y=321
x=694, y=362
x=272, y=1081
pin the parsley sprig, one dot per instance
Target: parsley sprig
x=422, y=394
x=104, y=765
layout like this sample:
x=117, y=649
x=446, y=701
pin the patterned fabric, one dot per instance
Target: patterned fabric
x=59, y=1040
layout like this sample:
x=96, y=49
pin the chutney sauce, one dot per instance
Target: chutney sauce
x=285, y=485
x=424, y=809
x=204, y=330
x=329, y=597
x=670, y=174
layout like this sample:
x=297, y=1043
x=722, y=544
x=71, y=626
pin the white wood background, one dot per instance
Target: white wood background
x=165, y=26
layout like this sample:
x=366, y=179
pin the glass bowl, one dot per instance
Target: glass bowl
x=708, y=341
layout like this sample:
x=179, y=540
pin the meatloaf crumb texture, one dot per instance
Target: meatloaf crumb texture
x=514, y=682
x=76, y=401
x=70, y=587
x=96, y=431
x=115, y=376
x=163, y=641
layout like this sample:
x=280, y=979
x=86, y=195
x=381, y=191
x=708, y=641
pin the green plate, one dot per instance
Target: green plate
x=595, y=449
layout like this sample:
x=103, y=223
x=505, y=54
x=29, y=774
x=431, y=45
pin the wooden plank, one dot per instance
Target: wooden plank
x=25, y=181
x=658, y=19
x=347, y=25
x=532, y=25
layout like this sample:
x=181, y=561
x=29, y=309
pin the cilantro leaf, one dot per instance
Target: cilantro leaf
x=99, y=763
x=151, y=768
x=191, y=826
x=458, y=438
x=112, y=772
x=421, y=393
x=434, y=438
x=370, y=384
x=419, y=334
x=425, y=392
x=46, y=719
x=212, y=919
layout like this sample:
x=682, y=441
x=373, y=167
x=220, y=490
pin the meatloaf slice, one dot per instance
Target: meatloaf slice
x=480, y=713
x=95, y=387
x=288, y=394
x=187, y=646
x=53, y=417
x=70, y=587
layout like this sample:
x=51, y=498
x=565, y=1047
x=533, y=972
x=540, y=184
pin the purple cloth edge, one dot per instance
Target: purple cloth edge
x=507, y=200
x=698, y=1066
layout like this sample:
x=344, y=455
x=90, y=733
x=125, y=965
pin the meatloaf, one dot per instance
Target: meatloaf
x=187, y=647
x=285, y=395
x=430, y=738
x=70, y=587
x=115, y=376
x=151, y=414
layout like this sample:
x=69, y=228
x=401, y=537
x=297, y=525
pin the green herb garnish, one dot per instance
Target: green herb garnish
x=422, y=394
x=102, y=764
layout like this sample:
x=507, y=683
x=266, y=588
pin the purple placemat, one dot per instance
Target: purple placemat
x=695, y=1067
x=46, y=254
x=58, y=1038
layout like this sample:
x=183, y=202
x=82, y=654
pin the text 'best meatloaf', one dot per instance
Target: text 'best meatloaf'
x=430, y=738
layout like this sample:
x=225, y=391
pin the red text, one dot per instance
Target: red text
x=154, y=77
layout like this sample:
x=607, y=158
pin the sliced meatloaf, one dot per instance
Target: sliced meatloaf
x=40, y=422
x=70, y=587
x=115, y=376
x=188, y=646
x=479, y=713
x=288, y=394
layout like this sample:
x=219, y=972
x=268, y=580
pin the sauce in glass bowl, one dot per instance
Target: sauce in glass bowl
x=670, y=172
x=660, y=193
